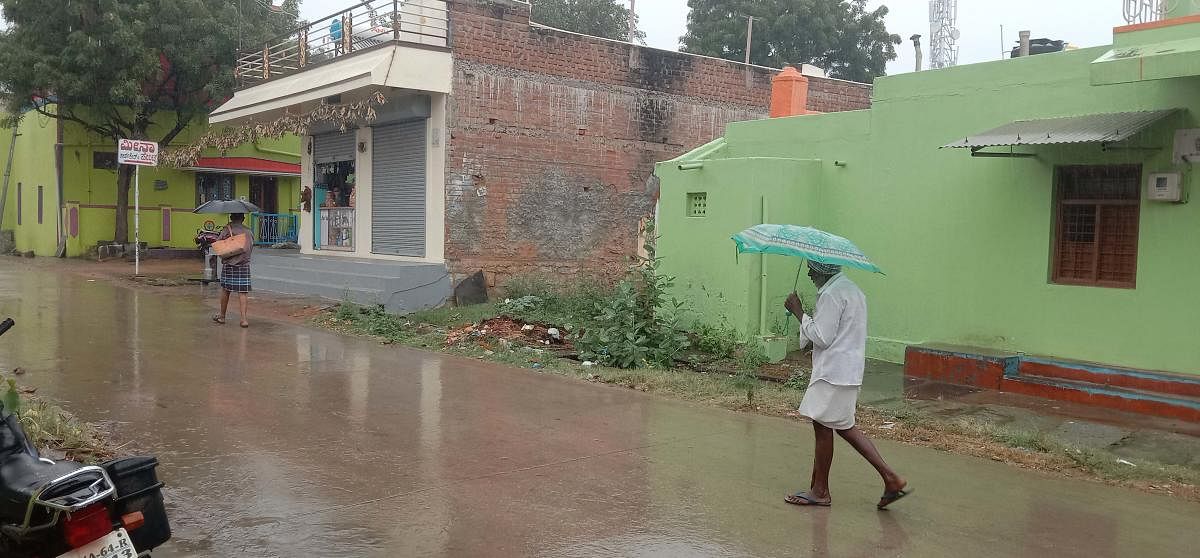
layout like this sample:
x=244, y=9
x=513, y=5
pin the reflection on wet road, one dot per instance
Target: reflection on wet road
x=288, y=441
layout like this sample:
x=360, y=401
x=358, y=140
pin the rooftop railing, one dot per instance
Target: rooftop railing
x=368, y=24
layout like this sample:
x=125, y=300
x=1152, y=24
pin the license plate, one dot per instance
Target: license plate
x=113, y=545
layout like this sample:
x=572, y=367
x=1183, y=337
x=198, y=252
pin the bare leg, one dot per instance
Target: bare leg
x=864, y=446
x=242, y=301
x=224, y=304
x=822, y=461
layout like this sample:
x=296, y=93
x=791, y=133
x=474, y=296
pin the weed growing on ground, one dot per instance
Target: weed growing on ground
x=530, y=284
x=719, y=341
x=455, y=316
x=53, y=429
x=522, y=305
x=347, y=310
x=570, y=305
x=752, y=358
x=798, y=380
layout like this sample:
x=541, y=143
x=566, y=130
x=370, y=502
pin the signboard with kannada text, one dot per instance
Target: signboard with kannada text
x=137, y=152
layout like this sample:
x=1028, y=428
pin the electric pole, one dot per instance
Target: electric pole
x=749, y=35
x=633, y=21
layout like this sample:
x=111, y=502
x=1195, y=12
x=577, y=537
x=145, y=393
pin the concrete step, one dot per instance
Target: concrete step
x=331, y=293
x=1146, y=402
x=291, y=259
x=1162, y=383
x=400, y=287
x=339, y=279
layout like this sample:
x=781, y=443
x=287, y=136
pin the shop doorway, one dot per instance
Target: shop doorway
x=264, y=192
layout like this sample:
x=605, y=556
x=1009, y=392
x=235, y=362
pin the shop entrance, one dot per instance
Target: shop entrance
x=334, y=192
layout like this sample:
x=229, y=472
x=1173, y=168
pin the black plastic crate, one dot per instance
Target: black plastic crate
x=139, y=490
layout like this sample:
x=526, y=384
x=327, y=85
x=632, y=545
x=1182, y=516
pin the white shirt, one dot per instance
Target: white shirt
x=838, y=332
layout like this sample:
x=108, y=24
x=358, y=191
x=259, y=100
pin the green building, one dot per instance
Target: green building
x=73, y=221
x=1026, y=205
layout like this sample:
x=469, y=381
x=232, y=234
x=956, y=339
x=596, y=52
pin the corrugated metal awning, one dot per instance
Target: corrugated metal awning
x=1091, y=128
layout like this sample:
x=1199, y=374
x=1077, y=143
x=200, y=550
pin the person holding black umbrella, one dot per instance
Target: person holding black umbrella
x=235, y=269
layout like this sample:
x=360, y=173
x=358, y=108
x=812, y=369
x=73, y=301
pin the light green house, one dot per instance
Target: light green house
x=1040, y=236
x=83, y=216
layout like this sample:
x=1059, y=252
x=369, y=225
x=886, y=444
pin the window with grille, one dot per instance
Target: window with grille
x=104, y=160
x=1096, y=225
x=697, y=204
x=210, y=186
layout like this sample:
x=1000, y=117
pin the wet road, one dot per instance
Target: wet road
x=288, y=441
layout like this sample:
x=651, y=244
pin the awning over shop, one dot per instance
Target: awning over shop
x=245, y=165
x=1092, y=128
x=392, y=66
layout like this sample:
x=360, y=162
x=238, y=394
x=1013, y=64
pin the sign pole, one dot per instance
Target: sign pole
x=137, y=223
x=139, y=154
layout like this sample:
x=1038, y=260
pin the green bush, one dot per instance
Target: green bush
x=638, y=325
x=522, y=305
x=719, y=341
x=347, y=310
x=752, y=358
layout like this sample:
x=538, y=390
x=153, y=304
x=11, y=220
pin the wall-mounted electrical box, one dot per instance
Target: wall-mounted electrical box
x=1164, y=186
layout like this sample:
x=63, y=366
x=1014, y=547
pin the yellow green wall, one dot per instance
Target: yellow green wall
x=33, y=166
x=93, y=191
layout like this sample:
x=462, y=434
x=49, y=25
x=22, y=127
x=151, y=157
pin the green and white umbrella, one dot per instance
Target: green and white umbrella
x=803, y=242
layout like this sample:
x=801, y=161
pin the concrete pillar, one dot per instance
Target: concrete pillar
x=789, y=93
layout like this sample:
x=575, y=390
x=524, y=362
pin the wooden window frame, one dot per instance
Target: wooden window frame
x=1056, y=239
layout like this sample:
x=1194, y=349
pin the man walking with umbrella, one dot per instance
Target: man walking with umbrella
x=838, y=331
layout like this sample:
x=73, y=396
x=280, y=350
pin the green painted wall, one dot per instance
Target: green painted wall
x=733, y=299
x=33, y=166
x=965, y=241
x=93, y=191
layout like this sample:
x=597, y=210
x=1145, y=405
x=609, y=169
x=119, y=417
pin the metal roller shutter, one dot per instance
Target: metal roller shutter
x=331, y=148
x=398, y=189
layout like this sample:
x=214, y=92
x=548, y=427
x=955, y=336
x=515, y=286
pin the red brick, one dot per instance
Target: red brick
x=575, y=136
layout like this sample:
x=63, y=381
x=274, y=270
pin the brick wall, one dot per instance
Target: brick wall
x=553, y=138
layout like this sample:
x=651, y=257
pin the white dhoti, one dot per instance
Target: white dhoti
x=830, y=405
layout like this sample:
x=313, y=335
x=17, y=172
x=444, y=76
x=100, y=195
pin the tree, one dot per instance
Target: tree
x=129, y=68
x=599, y=18
x=840, y=36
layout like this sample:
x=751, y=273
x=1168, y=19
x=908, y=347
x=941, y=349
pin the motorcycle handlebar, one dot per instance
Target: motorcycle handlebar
x=6, y=325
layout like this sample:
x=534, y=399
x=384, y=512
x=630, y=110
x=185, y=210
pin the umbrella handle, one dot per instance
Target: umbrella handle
x=796, y=286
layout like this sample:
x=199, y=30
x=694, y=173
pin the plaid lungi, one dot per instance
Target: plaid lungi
x=235, y=278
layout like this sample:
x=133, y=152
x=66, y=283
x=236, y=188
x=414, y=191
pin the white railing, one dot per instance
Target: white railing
x=1144, y=11
x=363, y=26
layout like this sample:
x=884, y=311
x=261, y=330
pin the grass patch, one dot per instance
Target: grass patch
x=1026, y=448
x=454, y=316
x=56, y=432
x=52, y=428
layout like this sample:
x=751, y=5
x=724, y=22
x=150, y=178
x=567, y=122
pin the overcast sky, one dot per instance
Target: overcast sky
x=1081, y=22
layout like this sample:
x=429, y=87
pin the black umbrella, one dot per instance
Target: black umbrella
x=227, y=206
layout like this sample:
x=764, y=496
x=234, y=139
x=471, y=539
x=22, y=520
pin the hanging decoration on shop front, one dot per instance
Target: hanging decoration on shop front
x=343, y=116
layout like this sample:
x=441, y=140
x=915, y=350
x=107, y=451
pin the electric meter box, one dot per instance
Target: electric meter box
x=1164, y=186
